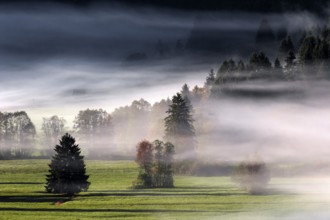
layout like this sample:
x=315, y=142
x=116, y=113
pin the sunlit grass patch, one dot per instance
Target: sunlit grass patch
x=110, y=195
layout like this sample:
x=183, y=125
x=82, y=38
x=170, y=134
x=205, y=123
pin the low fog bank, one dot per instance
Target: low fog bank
x=286, y=128
x=290, y=127
x=62, y=89
x=69, y=60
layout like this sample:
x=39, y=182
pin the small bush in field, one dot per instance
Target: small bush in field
x=252, y=175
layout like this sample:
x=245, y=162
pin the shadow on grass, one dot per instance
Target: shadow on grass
x=113, y=210
x=182, y=192
x=45, y=197
x=20, y=183
x=38, y=198
x=155, y=194
x=272, y=192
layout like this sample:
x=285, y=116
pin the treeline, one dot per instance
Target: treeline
x=292, y=58
x=112, y=135
x=17, y=133
x=102, y=135
x=241, y=5
x=96, y=129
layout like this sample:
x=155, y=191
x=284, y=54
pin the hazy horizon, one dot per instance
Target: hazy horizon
x=61, y=59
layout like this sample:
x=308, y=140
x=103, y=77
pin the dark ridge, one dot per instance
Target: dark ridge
x=240, y=5
x=262, y=93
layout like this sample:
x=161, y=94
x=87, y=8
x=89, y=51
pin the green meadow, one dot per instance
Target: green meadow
x=22, y=196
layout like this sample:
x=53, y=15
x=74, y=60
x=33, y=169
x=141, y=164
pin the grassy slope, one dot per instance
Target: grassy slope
x=22, y=196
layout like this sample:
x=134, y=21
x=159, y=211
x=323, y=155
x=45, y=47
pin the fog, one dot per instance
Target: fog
x=58, y=60
x=53, y=55
x=290, y=127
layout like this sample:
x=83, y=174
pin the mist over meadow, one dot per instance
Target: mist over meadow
x=254, y=81
x=58, y=59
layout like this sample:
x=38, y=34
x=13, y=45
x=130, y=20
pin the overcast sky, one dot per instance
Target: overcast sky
x=56, y=59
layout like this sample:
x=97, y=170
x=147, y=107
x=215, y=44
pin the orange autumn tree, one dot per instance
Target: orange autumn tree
x=144, y=159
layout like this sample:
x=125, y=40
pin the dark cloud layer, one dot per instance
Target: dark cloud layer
x=55, y=55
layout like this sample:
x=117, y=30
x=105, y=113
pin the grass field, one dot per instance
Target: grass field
x=22, y=196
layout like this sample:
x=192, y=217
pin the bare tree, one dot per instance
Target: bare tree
x=53, y=128
x=94, y=128
x=17, y=134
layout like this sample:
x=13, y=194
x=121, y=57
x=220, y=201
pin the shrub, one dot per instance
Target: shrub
x=156, y=169
x=252, y=175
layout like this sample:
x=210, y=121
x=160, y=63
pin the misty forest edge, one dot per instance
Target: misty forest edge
x=293, y=61
x=91, y=126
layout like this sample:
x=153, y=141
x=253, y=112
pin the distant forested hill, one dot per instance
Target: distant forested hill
x=244, y=5
x=317, y=6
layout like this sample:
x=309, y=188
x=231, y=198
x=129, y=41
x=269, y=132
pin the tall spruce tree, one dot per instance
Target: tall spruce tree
x=289, y=60
x=259, y=61
x=286, y=46
x=306, y=50
x=240, y=66
x=210, y=80
x=277, y=64
x=67, y=169
x=179, y=128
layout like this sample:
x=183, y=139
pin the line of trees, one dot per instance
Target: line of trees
x=100, y=131
x=313, y=48
x=240, y=5
x=17, y=134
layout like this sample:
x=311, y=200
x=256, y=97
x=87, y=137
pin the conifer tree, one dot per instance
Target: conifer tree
x=286, y=46
x=290, y=59
x=277, y=64
x=224, y=68
x=210, y=79
x=185, y=92
x=259, y=61
x=179, y=121
x=321, y=50
x=67, y=169
x=179, y=128
x=240, y=66
x=232, y=65
x=306, y=50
